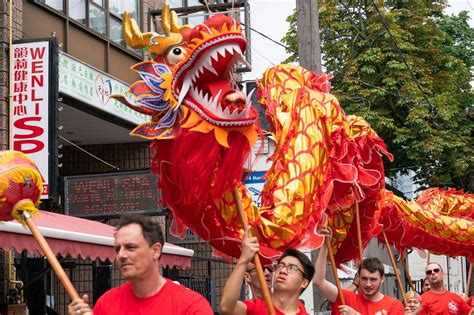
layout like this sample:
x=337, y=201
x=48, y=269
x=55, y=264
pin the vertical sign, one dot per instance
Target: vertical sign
x=33, y=105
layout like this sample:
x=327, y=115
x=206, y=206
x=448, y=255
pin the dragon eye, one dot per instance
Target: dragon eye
x=176, y=54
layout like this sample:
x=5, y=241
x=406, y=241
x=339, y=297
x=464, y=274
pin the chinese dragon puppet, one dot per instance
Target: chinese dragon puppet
x=203, y=129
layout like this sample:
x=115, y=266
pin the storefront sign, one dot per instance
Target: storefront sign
x=111, y=195
x=254, y=183
x=94, y=87
x=33, y=110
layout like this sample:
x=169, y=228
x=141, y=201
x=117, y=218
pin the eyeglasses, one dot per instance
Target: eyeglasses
x=265, y=268
x=289, y=268
x=429, y=272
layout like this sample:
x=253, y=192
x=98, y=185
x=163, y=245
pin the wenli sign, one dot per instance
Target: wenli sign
x=33, y=110
x=112, y=194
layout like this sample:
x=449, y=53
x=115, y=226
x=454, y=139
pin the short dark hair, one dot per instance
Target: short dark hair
x=372, y=265
x=151, y=230
x=308, y=267
x=434, y=263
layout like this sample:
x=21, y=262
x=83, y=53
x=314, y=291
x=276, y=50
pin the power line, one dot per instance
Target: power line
x=334, y=71
x=88, y=153
x=271, y=39
x=469, y=4
x=402, y=55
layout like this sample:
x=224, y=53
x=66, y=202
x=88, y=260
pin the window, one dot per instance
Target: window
x=97, y=19
x=55, y=4
x=77, y=10
x=101, y=16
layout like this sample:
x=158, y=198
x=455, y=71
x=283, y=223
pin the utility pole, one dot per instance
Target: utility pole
x=309, y=45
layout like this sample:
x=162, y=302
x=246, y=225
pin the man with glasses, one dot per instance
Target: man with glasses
x=293, y=273
x=438, y=300
x=369, y=300
x=251, y=279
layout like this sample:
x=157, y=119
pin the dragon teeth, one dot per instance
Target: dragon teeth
x=184, y=90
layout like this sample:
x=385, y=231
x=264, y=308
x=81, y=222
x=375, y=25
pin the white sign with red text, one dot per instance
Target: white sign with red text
x=29, y=111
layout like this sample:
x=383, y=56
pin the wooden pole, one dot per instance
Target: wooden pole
x=408, y=275
x=469, y=278
x=53, y=261
x=256, y=261
x=359, y=232
x=402, y=290
x=334, y=270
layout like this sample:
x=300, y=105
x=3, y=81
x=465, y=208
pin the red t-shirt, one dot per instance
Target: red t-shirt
x=258, y=307
x=357, y=301
x=172, y=299
x=444, y=303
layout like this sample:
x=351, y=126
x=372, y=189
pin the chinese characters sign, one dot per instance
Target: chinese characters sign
x=94, y=88
x=29, y=112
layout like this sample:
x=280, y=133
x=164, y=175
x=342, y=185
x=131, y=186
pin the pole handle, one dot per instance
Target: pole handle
x=256, y=261
x=402, y=290
x=53, y=261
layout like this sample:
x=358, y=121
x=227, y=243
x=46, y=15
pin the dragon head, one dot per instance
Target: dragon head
x=192, y=73
x=204, y=79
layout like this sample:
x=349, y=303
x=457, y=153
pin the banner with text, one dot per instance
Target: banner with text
x=29, y=110
x=94, y=87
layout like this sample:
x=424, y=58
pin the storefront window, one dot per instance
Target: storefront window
x=97, y=19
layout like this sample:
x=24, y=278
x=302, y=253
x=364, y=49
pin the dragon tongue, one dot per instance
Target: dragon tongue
x=233, y=100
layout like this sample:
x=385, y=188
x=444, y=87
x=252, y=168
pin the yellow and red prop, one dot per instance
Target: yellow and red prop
x=20, y=191
x=203, y=127
x=440, y=221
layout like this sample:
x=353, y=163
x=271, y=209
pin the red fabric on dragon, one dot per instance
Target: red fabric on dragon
x=440, y=221
x=204, y=129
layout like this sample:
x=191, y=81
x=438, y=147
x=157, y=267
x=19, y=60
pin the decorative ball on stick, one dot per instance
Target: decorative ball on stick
x=21, y=185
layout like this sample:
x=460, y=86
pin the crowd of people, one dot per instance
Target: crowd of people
x=139, y=243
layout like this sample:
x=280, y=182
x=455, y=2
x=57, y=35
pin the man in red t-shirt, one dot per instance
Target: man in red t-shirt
x=438, y=300
x=293, y=273
x=369, y=300
x=251, y=279
x=138, y=245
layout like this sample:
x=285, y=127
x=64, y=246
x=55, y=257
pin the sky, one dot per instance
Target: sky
x=269, y=17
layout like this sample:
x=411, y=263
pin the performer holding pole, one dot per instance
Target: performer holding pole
x=256, y=260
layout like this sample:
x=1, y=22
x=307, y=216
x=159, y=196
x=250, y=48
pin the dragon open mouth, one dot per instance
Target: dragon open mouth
x=205, y=82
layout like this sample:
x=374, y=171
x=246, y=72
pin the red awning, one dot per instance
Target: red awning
x=79, y=237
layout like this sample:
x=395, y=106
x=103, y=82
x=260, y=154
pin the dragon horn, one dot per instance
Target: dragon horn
x=165, y=19
x=132, y=34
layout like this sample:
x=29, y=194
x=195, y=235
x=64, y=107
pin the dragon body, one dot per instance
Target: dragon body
x=440, y=221
x=203, y=128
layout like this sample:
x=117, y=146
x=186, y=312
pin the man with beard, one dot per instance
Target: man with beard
x=438, y=300
x=369, y=300
x=138, y=246
x=293, y=273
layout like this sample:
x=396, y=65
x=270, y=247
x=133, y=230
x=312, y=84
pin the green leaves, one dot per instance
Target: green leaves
x=371, y=80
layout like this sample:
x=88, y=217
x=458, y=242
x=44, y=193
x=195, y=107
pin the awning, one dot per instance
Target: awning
x=79, y=237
